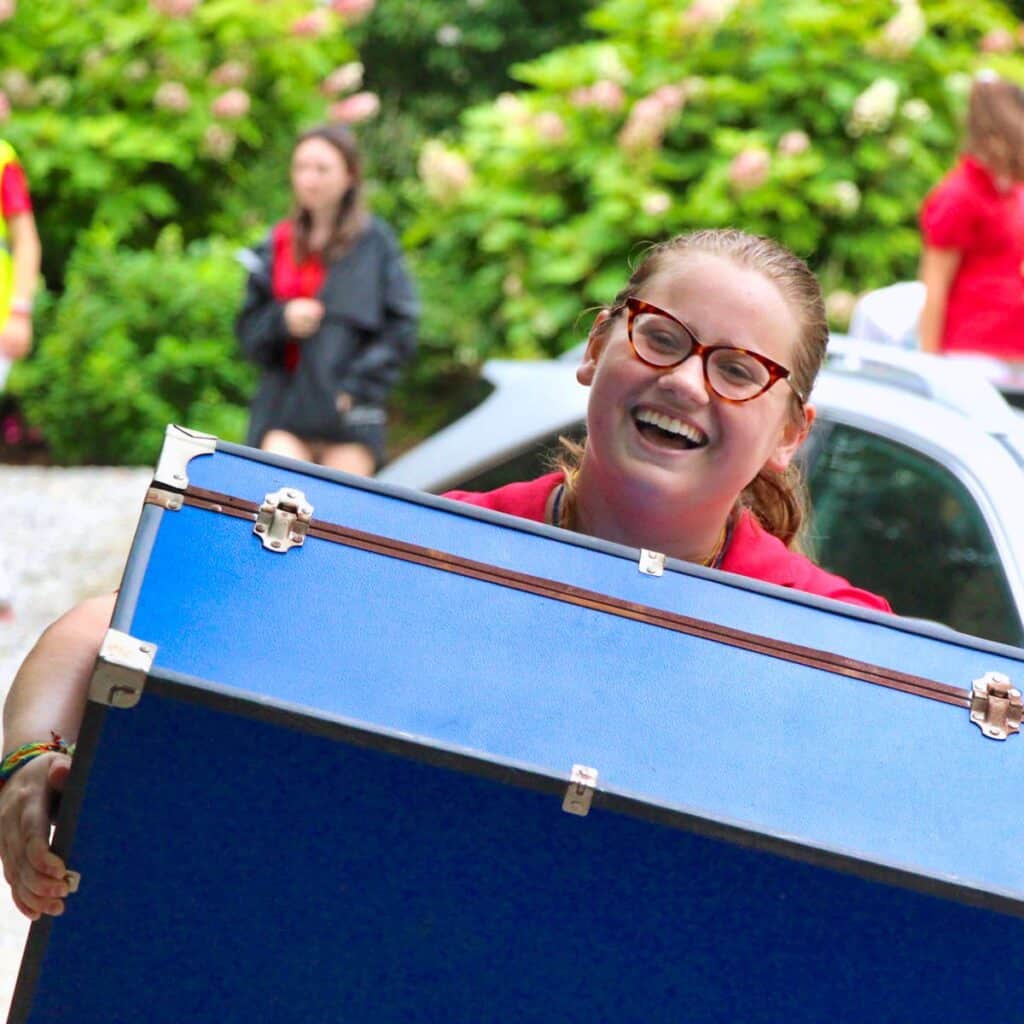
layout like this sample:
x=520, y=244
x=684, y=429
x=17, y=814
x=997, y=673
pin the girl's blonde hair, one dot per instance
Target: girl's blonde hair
x=778, y=500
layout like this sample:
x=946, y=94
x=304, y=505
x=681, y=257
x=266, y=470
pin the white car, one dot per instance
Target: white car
x=915, y=467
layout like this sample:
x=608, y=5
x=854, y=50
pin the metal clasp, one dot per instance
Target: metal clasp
x=996, y=707
x=651, y=562
x=283, y=520
x=580, y=793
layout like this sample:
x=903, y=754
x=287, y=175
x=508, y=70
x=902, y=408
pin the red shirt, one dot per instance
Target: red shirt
x=752, y=550
x=985, y=308
x=14, y=197
x=291, y=280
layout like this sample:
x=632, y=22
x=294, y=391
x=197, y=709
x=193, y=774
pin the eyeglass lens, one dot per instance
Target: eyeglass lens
x=731, y=372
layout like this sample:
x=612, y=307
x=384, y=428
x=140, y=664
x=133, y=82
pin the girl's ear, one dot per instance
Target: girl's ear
x=794, y=433
x=595, y=343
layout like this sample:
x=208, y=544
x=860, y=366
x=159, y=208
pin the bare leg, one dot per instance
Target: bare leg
x=281, y=442
x=349, y=458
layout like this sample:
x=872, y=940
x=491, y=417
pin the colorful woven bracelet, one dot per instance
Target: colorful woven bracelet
x=19, y=758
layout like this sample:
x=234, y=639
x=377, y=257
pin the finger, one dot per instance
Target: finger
x=42, y=859
x=24, y=908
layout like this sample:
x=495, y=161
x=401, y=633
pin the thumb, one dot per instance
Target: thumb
x=58, y=772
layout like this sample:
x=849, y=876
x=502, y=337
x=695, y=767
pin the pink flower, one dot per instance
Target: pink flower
x=549, y=126
x=230, y=73
x=5, y=107
x=604, y=95
x=343, y=79
x=174, y=8
x=749, y=168
x=512, y=108
x=311, y=25
x=607, y=95
x=360, y=106
x=999, y=40
x=793, y=143
x=218, y=142
x=645, y=126
x=703, y=13
x=172, y=96
x=8, y=8
x=352, y=10
x=231, y=104
x=670, y=97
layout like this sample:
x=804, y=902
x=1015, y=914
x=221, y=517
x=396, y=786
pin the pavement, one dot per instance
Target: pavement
x=66, y=537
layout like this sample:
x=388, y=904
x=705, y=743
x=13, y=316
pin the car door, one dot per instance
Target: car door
x=897, y=521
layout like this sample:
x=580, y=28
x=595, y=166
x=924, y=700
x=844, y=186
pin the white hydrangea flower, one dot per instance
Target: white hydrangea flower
x=449, y=35
x=874, y=108
x=847, y=197
x=916, y=110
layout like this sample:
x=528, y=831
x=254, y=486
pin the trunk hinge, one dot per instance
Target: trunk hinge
x=996, y=707
x=121, y=669
x=283, y=520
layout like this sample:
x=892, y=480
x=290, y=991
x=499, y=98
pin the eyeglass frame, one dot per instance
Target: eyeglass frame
x=776, y=371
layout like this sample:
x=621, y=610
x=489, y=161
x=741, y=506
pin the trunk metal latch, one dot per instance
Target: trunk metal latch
x=283, y=520
x=996, y=707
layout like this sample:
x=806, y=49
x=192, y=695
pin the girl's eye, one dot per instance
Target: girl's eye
x=738, y=368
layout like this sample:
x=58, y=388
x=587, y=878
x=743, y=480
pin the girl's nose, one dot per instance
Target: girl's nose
x=686, y=380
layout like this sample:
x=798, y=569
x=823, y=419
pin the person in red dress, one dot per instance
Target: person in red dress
x=699, y=375
x=329, y=315
x=20, y=254
x=972, y=224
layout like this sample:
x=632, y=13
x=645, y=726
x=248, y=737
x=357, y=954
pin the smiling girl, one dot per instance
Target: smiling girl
x=699, y=374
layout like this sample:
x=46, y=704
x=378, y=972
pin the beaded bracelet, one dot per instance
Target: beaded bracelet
x=19, y=758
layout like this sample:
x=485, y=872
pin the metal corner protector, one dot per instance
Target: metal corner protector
x=122, y=665
x=179, y=448
x=579, y=794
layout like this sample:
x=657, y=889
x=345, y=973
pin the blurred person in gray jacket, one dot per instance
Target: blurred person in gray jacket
x=330, y=314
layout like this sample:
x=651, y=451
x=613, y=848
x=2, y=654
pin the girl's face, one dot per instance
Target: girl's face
x=661, y=434
x=320, y=176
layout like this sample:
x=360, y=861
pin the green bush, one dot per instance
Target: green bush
x=820, y=123
x=428, y=61
x=133, y=114
x=139, y=339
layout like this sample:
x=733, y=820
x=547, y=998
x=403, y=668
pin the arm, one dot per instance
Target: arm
x=16, y=336
x=260, y=325
x=375, y=369
x=48, y=695
x=938, y=268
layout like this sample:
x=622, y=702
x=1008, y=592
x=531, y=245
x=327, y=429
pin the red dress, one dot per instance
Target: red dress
x=291, y=280
x=14, y=196
x=985, y=308
x=752, y=550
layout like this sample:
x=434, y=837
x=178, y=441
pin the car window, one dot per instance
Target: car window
x=898, y=523
x=533, y=462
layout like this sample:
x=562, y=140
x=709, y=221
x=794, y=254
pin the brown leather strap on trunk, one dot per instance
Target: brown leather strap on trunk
x=810, y=656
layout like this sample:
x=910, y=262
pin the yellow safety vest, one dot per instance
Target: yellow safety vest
x=7, y=156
